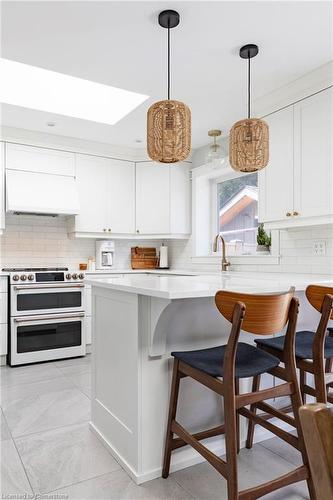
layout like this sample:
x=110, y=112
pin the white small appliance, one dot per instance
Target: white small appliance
x=104, y=254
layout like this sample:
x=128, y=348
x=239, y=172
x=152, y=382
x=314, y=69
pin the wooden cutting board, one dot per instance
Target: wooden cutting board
x=144, y=258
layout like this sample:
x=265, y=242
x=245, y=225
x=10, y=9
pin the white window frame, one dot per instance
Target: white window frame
x=204, y=223
x=214, y=209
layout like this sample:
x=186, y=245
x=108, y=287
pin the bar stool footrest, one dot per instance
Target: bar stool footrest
x=217, y=462
x=299, y=474
x=286, y=436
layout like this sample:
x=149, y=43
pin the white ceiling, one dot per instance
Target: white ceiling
x=121, y=44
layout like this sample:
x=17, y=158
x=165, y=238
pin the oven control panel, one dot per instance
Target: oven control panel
x=46, y=277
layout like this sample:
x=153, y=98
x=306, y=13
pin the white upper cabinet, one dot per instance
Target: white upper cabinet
x=152, y=198
x=180, y=198
x=40, y=160
x=296, y=186
x=107, y=196
x=162, y=199
x=121, y=196
x=2, y=187
x=92, y=184
x=276, y=180
x=314, y=155
x=40, y=180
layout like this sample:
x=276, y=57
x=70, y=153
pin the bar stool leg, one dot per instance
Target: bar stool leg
x=320, y=387
x=172, y=414
x=328, y=365
x=237, y=418
x=231, y=441
x=302, y=383
x=253, y=408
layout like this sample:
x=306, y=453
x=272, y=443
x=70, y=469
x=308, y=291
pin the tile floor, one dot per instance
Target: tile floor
x=47, y=447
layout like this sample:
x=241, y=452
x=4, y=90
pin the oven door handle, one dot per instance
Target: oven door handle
x=38, y=287
x=25, y=319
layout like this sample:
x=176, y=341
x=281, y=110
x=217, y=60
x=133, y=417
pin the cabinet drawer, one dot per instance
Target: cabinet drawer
x=3, y=308
x=3, y=340
x=41, y=160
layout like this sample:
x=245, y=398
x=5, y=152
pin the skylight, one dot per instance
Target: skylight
x=53, y=92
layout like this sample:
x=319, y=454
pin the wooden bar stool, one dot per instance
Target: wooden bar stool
x=311, y=349
x=258, y=314
x=317, y=424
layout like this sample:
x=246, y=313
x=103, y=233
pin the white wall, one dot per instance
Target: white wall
x=42, y=241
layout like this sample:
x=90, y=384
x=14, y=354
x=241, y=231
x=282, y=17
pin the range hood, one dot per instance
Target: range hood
x=41, y=194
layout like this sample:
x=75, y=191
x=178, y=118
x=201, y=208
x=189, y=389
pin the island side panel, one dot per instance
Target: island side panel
x=115, y=369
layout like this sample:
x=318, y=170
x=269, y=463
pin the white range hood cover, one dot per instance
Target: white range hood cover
x=40, y=193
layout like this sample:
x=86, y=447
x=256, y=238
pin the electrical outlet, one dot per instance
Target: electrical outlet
x=319, y=247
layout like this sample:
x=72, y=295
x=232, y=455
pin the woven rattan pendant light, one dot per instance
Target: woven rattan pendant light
x=248, y=141
x=168, y=121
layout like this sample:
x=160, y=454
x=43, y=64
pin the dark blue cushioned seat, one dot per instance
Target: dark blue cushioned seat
x=303, y=345
x=250, y=360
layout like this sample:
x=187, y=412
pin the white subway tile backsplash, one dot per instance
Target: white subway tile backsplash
x=296, y=253
x=43, y=241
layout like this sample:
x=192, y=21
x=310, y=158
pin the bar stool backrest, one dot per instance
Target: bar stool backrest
x=316, y=295
x=263, y=314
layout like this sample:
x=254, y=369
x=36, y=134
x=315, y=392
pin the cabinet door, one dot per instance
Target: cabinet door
x=276, y=180
x=121, y=197
x=313, y=155
x=92, y=176
x=40, y=160
x=2, y=187
x=152, y=198
x=180, y=198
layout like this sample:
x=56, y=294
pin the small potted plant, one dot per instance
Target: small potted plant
x=263, y=240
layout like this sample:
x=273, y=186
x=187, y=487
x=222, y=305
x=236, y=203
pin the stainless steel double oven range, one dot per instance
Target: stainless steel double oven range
x=46, y=317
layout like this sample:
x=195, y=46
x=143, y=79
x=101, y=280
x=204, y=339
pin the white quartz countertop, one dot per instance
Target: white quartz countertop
x=180, y=285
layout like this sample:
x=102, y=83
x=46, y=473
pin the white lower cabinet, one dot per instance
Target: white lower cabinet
x=296, y=187
x=3, y=315
x=88, y=304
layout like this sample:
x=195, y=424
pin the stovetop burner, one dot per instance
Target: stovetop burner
x=32, y=269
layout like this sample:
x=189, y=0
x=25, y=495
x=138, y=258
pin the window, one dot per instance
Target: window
x=237, y=213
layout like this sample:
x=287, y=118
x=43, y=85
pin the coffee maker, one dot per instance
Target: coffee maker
x=104, y=254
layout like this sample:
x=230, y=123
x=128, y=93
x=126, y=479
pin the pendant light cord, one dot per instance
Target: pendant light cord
x=169, y=60
x=249, y=88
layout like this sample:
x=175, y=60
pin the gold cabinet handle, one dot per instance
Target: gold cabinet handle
x=137, y=231
x=109, y=230
x=104, y=230
x=288, y=214
x=295, y=213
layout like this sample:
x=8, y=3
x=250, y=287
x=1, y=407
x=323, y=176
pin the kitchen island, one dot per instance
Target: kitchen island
x=138, y=319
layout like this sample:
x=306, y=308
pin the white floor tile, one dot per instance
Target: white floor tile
x=254, y=467
x=13, y=478
x=13, y=375
x=62, y=457
x=84, y=360
x=4, y=430
x=82, y=381
x=117, y=485
x=44, y=405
